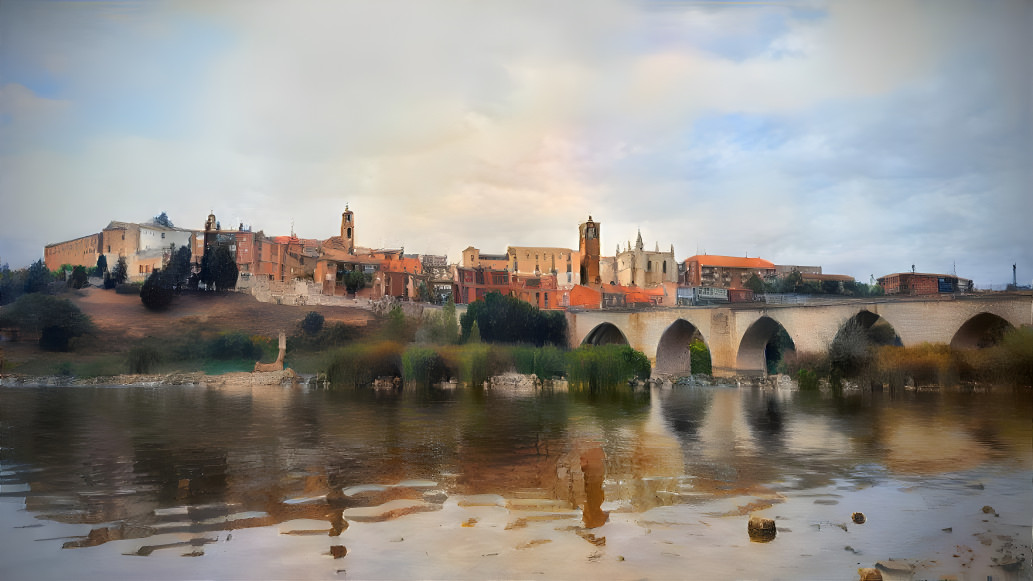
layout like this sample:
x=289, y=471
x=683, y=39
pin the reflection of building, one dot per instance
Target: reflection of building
x=724, y=271
x=637, y=266
x=921, y=283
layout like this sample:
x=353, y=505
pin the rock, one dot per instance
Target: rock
x=338, y=551
x=869, y=574
x=858, y=518
x=989, y=510
x=761, y=530
x=896, y=566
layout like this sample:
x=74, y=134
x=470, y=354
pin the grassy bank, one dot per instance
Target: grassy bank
x=1008, y=363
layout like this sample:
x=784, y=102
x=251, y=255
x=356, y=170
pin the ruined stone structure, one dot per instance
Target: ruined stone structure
x=737, y=335
x=275, y=365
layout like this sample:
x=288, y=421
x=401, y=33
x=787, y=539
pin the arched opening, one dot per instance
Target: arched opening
x=877, y=330
x=764, y=345
x=605, y=334
x=682, y=351
x=981, y=331
x=850, y=352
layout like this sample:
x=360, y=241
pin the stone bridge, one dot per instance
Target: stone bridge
x=738, y=334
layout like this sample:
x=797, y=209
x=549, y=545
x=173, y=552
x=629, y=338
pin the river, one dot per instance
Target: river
x=188, y=482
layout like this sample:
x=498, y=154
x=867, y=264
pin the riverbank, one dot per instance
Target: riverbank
x=243, y=378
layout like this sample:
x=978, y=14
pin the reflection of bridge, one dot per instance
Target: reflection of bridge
x=737, y=335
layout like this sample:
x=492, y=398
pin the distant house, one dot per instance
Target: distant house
x=922, y=283
x=709, y=270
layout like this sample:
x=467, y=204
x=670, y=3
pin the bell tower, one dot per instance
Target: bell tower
x=348, y=229
x=589, y=252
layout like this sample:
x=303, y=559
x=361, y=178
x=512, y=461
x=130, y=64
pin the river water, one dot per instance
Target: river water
x=271, y=483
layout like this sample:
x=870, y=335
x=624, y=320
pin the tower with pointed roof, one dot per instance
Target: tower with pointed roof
x=588, y=250
x=636, y=266
x=348, y=229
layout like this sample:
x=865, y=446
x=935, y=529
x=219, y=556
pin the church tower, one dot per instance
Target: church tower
x=348, y=229
x=589, y=252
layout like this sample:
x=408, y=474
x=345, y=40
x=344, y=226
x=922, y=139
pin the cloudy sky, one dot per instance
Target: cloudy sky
x=860, y=136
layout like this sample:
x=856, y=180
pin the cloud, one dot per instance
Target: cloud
x=856, y=135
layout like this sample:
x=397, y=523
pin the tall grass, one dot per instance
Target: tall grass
x=605, y=366
x=360, y=363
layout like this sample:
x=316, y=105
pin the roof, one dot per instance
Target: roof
x=410, y=265
x=730, y=261
x=921, y=274
x=833, y=277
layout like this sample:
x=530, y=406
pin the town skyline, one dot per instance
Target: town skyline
x=861, y=137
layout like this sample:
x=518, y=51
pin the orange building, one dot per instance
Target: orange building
x=589, y=252
x=82, y=251
x=724, y=271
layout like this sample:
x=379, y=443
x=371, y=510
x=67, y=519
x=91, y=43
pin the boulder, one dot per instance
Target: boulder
x=761, y=530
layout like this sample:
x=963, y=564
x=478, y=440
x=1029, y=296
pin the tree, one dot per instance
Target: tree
x=12, y=284
x=119, y=274
x=56, y=320
x=37, y=277
x=792, y=282
x=423, y=293
x=313, y=323
x=157, y=292
x=163, y=220
x=505, y=319
x=79, y=278
x=102, y=266
x=219, y=268
x=755, y=284
x=178, y=269
x=354, y=281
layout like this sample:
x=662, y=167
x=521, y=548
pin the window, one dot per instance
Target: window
x=546, y=300
x=162, y=235
x=665, y=267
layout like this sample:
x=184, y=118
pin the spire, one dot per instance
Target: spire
x=638, y=241
x=657, y=247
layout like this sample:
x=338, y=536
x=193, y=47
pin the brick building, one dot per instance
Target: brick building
x=710, y=270
x=564, y=263
x=921, y=283
x=145, y=247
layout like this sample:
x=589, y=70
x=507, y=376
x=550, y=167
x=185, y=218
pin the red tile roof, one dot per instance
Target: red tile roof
x=729, y=261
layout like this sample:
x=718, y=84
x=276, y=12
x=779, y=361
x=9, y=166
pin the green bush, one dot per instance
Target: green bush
x=423, y=365
x=144, y=358
x=699, y=357
x=156, y=292
x=129, y=288
x=56, y=320
x=543, y=362
x=359, y=364
x=595, y=367
x=313, y=323
x=234, y=346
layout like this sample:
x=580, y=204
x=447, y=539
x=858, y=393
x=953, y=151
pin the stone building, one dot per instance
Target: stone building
x=637, y=266
x=564, y=263
x=709, y=270
x=472, y=258
x=145, y=247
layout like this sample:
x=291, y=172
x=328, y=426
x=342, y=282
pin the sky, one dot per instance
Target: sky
x=861, y=136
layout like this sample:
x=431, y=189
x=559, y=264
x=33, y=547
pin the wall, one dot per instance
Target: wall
x=81, y=251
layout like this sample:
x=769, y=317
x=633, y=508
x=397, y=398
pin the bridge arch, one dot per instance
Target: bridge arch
x=979, y=331
x=759, y=343
x=673, y=355
x=878, y=330
x=605, y=334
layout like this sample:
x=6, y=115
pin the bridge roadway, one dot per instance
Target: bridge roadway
x=737, y=334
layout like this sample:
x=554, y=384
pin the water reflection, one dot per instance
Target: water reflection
x=139, y=462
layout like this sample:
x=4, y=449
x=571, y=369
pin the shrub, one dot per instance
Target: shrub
x=57, y=320
x=699, y=357
x=234, y=346
x=313, y=323
x=423, y=365
x=156, y=292
x=144, y=358
x=128, y=288
x=78, y=278
x=361, y=363
x=543, y=362
x=605, y=366
x=505, y=319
